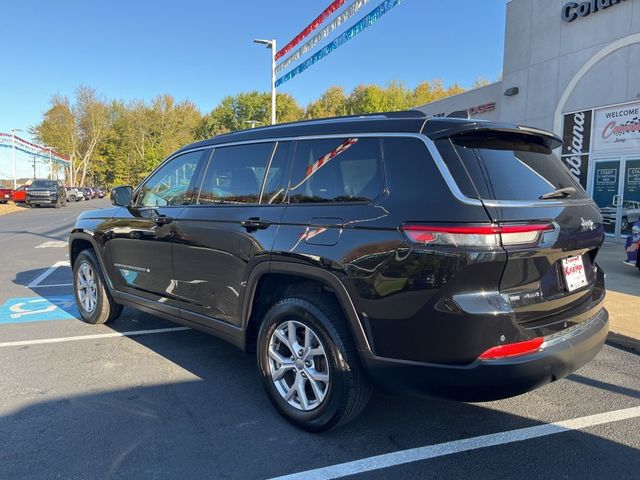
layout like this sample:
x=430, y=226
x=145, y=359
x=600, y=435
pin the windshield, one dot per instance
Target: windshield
x=497, y=168
x=51, y=184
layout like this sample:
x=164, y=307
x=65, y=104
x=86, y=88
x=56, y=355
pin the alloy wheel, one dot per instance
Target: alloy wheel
x=86, y=287
x=298, y=365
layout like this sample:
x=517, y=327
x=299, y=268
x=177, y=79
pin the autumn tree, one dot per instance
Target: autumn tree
x=75, y=129
x=332, y=103
x=246, y=110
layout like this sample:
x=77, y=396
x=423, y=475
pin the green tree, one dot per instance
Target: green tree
x=245, y=110
x=332, y=103
x=75, y=129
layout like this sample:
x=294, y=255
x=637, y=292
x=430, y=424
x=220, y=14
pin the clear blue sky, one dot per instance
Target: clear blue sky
x=203, y=50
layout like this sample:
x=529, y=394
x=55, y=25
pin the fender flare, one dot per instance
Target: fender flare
x=87, y=235
x=314, y=273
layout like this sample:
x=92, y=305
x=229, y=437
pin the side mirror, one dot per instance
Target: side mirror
x=121, y=196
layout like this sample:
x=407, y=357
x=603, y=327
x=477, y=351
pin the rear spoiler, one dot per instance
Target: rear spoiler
x=467, y=131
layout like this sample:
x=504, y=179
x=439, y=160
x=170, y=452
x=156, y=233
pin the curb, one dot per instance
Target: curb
x=623, y=341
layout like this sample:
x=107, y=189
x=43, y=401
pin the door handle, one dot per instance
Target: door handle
x=162, y=220
x=254, y=223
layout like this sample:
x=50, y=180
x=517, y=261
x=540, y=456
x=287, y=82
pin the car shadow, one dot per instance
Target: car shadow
x=192, y=406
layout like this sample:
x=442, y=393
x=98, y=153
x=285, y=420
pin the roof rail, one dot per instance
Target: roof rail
x=417, y=114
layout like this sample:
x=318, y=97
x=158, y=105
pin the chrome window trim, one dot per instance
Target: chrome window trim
x=435, y=155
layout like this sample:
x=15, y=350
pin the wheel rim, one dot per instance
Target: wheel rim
x=298, y=365
x=86, y=287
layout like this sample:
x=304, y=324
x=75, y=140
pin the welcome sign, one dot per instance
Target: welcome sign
x=617, y=128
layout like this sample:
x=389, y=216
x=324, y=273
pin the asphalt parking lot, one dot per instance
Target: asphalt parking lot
x=82, y=401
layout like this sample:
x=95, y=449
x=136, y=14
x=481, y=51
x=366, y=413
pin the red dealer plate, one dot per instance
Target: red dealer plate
x=574, y=274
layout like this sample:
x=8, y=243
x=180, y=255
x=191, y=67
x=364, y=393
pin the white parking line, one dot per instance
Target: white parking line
x=131, y=333
x=54, y=285
x=457, y=446
x=35, y=282
x=53, y=244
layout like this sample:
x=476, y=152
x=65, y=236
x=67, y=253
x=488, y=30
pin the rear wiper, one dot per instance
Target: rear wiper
x=560, y=193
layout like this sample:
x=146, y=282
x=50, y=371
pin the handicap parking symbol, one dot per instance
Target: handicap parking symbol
x=38, y=309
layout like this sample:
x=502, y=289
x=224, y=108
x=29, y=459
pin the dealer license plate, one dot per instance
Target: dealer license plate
x=574, y=273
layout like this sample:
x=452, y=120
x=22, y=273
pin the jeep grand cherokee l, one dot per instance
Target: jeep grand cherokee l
x=433, y=255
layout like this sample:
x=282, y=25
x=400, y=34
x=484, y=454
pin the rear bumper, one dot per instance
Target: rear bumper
x=485, y=380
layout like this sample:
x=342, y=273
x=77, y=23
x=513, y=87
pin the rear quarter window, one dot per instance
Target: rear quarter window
x=338, y=170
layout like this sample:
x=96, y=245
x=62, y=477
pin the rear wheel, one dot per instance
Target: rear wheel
x=95, y=303
x=72, y=198
x=309, y=364
x=624, y=224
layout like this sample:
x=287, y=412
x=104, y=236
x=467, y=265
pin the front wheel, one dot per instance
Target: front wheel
x=309, y=364
x=94, y=302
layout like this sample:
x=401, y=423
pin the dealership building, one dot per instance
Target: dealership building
x=573, y=67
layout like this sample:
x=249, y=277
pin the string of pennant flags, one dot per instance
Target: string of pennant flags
x=21, y=145
x=350, y=11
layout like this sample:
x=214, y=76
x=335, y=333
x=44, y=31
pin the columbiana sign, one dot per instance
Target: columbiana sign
x=573, y=10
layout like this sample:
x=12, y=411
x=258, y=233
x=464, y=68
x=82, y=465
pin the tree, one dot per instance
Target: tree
x=332, y=103
x=75, y=129
x=246, y=110
x=481, y=82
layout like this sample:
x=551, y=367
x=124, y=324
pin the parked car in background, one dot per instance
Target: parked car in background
x=46, y=192
x=630, y=214
x=5, y=195
x=19, y=195
x=99, y=192
x=73, y=195
x=85, y=192
x=443, y=256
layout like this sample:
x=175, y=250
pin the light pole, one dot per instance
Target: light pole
x=272, y=45
x=13, y=155
x=253, y=123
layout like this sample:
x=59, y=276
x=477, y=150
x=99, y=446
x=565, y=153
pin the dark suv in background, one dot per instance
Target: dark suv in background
x=432, y=255
x=46, y=192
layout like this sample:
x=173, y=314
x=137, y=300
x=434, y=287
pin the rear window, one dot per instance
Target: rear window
x=505, y=168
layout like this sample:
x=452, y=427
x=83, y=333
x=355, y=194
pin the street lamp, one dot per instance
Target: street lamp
x=253, y=123
x=13, y=155
x=272, y=45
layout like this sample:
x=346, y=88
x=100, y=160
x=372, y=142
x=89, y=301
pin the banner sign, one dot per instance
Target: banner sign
x=326, y=13
x=349, y=12
x=21, y=145
x=576, y=141
x=361, y=25
x=617, y=128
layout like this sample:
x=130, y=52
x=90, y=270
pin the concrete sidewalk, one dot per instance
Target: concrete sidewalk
x=623, y=294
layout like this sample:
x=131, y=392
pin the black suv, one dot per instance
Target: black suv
x=443, y=256
x=46, y=192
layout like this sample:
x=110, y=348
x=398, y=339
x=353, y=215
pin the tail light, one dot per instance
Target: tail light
x=477, y=235
x=513, y=349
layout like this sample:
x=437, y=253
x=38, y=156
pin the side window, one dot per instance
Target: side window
x=172, y=184
x=235, y=174
x=336, y=170
x=275, y=185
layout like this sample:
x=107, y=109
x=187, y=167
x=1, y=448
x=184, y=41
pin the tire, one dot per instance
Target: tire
x=347, y=390
x=87, y=273
x=72, y=198
x=624, y=224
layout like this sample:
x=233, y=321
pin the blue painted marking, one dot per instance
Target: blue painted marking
x=38, y=309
